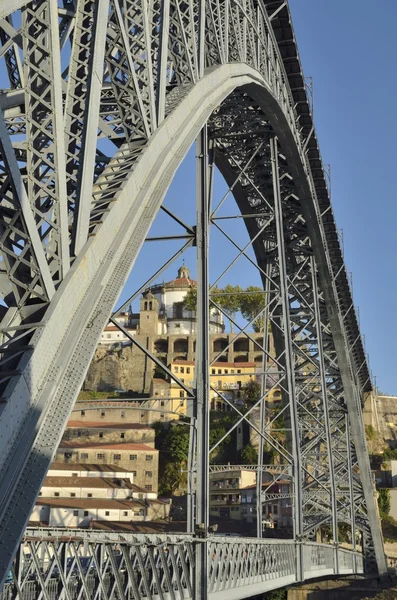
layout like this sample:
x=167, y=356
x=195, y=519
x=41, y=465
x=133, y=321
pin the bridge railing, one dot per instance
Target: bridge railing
x=76, y=563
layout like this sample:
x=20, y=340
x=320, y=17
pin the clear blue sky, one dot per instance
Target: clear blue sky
x=348, y=47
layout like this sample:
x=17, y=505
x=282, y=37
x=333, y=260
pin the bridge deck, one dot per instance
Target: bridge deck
x=75, y=564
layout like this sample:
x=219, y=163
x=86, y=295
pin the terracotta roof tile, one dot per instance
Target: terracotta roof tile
x=137, y=447
x=91, y=503
x=100, y=425
x=238, y=365
x=57, y=466
x=87, y=482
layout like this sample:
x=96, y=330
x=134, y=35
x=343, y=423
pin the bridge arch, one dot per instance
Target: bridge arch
x=37, y=402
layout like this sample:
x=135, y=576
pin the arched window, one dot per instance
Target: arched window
x=181, y=345
x=240, y=359
x=220, y=344
x=241, y=345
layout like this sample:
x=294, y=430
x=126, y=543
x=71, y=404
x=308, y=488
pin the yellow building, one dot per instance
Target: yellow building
x=227, y=381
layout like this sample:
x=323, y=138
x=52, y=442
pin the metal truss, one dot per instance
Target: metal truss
x=104, y=100
x=82, y=564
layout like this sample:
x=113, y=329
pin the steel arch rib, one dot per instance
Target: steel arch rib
x=78, y=313
x=38, y=402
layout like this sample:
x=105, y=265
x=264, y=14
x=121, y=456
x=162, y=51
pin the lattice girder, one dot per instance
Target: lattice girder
x=88, y=148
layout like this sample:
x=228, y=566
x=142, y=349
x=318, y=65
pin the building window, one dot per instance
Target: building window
x=148, y=473
x=75, y=474
x=86, y=513
x=226, y=371
x=148, y=488
x=182, y=369
x=89, y=495
x=181, y=394
x=122, y=435
x=68, y=454
x=40, y=493
x=142, y=415
x=107, y=513
x=125, y=513
x=133, y=473
x=72, y=495
x=139, y=513
x=140, y=496
x=219, y=371
x=122, y=414
x=75, y=513
x=133, y=456
x=238, y=370
x=102, y=413
x=213, y=371
x=101, y=434
x=56, y=494
x=83, y=455
x=232, y=371
x=116, y=456
x=162, y=403
x=149, y=457
x=275, y=509
x=187, y=369
x=161, y=415
x=176, y=369
x=82, y=412
x=100, y=455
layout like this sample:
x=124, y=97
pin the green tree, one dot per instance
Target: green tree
x=173, y=477
x=190, y=300
x=248, y=455
x=177, y=443
x=229, y=299
x=251, y=303
x=173, y=444
x=384, y=502
x=252, y=392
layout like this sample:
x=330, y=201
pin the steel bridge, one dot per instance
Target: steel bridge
x=100, y=102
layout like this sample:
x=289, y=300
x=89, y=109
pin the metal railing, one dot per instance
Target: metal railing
x=87, y=564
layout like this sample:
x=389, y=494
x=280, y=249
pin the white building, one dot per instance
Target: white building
x=80, y=512
x=87, y=470
x=170, y=296
x=78, y=495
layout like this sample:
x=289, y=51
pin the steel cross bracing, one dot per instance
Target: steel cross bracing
x=77, y=564
x=100, y=103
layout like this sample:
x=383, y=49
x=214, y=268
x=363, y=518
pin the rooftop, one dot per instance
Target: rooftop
x=238, y=365
x=102, y=425
x=96, y=503
x=114, y=328
x=87, y=482
x=136, y=447
x=182, y=281
x=57, y=466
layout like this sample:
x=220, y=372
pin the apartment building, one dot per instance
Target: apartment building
x=141, y=459
x=77, y=496
x=233, y=496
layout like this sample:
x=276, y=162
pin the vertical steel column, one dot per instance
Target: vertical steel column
x=191, y=473
x=289, y=361
x=323, y=380
x=351, y=489
x=262, y=411
x=202, y=381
